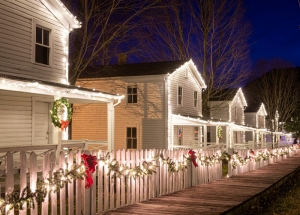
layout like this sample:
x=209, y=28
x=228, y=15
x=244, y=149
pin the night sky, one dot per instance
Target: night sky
x=275, y=29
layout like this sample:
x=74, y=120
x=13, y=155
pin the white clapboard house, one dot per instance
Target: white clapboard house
x=34, y=72
x=163, y=106
x=228, y=106
x=255, y=116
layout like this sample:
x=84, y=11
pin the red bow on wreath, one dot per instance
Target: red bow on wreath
x=90, y=162
x=64, y=124
x=193, y=157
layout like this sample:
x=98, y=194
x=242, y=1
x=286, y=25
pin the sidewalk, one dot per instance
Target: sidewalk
x=225, y=196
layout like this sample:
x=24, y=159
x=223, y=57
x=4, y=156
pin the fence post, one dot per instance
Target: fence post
x=23, y=181
x=33, y=180
x=9, y=178
x=70, y=186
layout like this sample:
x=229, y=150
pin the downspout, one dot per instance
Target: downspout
x=118, y=102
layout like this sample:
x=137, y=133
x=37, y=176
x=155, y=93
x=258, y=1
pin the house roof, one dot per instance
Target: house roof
x=224, y=95
x=137, y=69
x=59, y=10
x=78, y=94
x=229, y=95
x=253, y=107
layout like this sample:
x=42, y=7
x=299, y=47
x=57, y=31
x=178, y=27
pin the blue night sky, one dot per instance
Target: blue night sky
x=275, y=29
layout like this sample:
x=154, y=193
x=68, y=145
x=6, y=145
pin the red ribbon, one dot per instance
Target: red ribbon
x=64, y=124
x=193, y=157
x=90, y=162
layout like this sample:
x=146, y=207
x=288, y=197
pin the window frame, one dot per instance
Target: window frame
x=132, y=87
x=45, y=26
x=179, y=97
x=131, y=137
x=196, y=99
x=196, y=134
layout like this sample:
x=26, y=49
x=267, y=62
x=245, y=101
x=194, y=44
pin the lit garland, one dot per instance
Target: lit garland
x=219, y=132
x=57, y=122
x=61, y=177
x=236, y=159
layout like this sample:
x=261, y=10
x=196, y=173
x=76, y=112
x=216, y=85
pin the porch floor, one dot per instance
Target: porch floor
x=224, y=196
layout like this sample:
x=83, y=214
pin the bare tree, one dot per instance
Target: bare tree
x=276, y=88
x=211, y=32
x=106, y=26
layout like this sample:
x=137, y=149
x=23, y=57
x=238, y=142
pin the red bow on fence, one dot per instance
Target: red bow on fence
x=90, y=163
x=64, y=124
x=193, y=157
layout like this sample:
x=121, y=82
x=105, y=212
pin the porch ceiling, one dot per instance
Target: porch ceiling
x=185, y=120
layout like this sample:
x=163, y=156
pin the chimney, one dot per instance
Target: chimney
x=122, y=59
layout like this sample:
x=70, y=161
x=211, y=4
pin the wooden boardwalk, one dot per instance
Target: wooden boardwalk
x=225, y=196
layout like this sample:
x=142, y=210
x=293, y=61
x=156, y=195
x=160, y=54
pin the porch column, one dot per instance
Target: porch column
x=110, y=127
x=205, y=135
x=216, y=135
x=228, y=145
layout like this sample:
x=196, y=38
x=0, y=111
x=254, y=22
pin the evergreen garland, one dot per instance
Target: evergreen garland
x=219, y=132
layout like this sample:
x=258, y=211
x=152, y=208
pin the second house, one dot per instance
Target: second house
x=161, y=97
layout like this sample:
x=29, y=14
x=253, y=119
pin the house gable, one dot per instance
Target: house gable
x=185, y=87
x=34, y=40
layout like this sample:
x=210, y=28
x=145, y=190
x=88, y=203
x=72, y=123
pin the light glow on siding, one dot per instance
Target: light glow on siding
x=39, y=88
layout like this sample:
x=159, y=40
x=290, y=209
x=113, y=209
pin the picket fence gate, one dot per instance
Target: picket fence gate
x=108, y=192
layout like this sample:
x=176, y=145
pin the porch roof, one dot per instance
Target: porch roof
x=73, y=93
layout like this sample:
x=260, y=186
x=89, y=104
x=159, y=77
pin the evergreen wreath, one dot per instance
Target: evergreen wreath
x=57, y=122
x=219, y=132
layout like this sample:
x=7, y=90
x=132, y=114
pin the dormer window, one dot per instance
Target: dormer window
x=42, y=45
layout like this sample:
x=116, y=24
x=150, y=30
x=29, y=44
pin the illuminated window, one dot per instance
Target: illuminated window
x=179, y=95
x=195, y=99
x=131, y=138
x=131, y=94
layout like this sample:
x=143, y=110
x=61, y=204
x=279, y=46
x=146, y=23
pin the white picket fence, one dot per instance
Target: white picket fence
x=108, y=192
x=254, y=165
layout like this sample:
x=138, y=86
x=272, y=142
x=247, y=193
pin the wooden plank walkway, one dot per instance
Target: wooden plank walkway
x=223, y=196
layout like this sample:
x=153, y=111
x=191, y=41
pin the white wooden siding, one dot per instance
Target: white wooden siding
x=147, y=115
x=219, y=110
x=185, y=78
x=239, y=114
x=250, y=119
x=16, y=40
x=15, y=115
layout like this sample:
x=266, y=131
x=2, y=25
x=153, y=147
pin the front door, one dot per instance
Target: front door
x=41, y=124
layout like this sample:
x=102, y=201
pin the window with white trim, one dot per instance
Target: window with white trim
x=131, y=94
x=179, y=100
x=42, y=43
x=195, y=99
x=196, y=134
x=235, y=112
x=131, y=138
